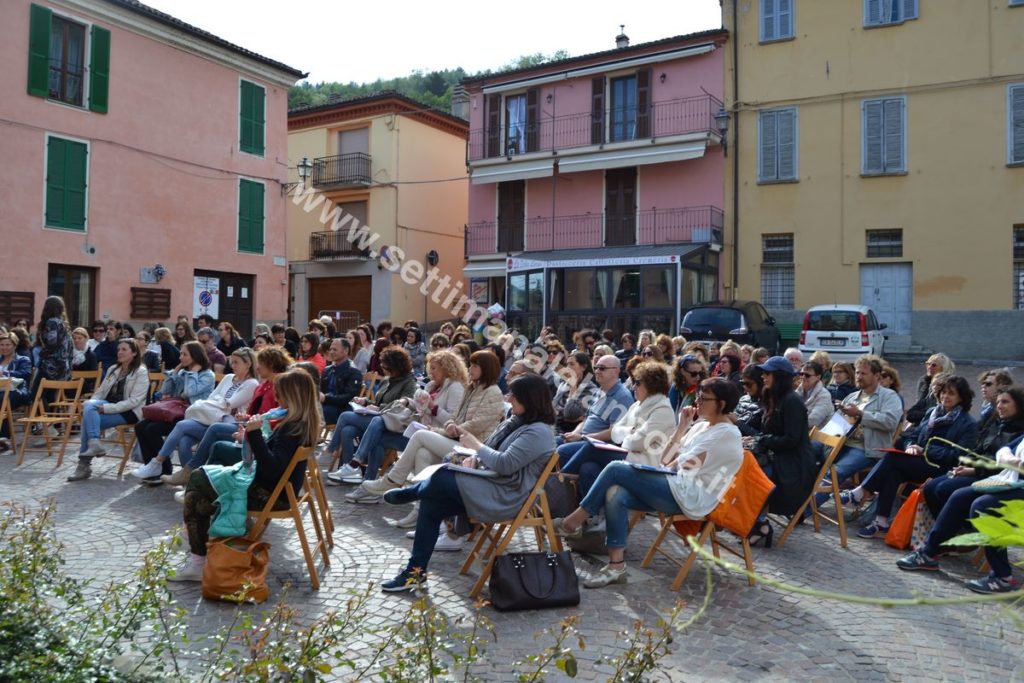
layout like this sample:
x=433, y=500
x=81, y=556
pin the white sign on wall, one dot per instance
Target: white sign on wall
x=206, y=297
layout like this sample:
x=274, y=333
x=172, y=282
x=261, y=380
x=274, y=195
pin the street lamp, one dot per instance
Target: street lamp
x=305, y=170
x=722, y=121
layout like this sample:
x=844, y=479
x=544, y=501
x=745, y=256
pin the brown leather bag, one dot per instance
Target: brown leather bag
x=236, y=570
x=165, y=410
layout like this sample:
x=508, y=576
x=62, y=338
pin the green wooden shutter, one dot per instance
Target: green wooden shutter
x=99, y=70
x=251, y=112
x=258, y=118
x=55, y=182
x=245, y=123
x=250, y=216
x=39, y=51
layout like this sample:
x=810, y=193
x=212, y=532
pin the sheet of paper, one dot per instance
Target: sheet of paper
x=839, y=425
x=413, y=428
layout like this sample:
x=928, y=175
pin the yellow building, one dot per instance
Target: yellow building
x=877, y=157
x=383, y=210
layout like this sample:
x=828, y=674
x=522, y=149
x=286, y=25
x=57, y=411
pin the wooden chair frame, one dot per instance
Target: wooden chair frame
x=126, y=440
x=294, y=512
x=827, y=470
x=315, y=484
x=369, y=390
x=64, y=410
x=534, y=514
x=708, y=532
x=6, y=412
x=95, y=375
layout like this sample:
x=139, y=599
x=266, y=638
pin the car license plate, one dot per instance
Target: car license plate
x=833, y=342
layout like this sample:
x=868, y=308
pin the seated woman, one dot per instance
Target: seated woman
x=432, y=406
x=700, y=465
x=17, y=368
x=687, y=376
x=481, y=409
x=643, y=431
x=399, y=383
x=168, y=351
x=891, y=380
x=233, y=394
x=300, y=427
x=749, y=411
x=729, y=366
x=82, y=357
x=966, y=503
x=309, y=349
x=417, y=350
x=518, y=451
x=951, y=420
x=230, y=341
x=937, y=363
x=842, y=381
x=575, y=393
x=117, y=401
x=817, y=399
x=183, y=332
x=261, y=341
x=192, y=380
x=150, y=352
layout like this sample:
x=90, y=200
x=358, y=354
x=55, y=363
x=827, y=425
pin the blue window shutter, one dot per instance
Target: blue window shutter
x=871, y=131
x=909, y=9
x=1017, y=124
x=785, y=19
x=892, y=113
x=768, y=20
x=787, y=144
x=873, y=12
x=769, y=146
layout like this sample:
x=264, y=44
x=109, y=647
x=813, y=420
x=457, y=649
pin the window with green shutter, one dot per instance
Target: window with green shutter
x=57, y=60
x=250, y=216
x=252, y=104
x=67, y=163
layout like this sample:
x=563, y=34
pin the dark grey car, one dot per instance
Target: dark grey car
x=744, y=322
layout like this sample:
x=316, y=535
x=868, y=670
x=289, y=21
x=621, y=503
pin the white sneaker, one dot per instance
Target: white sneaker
x=449, y=544
x=149, y=470
x=441, y=531
x=180, y=496
x=345, y=470
x=407, y=522
x=189, y=570
x=361, y=495
x=95, y=449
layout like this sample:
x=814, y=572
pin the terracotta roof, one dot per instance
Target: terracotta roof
x=168, y=20
x=387, y=101
x=617, y=52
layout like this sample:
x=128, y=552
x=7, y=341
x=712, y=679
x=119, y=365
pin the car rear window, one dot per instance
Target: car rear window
x=712, y=317
x=834, y=321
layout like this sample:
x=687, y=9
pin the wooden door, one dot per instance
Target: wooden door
x=237, y=291
x=620, y=207
x=511, y=215
x=77, y=286
x=340, y=294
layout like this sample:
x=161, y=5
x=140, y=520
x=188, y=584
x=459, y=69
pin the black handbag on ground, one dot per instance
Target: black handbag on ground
x=534, y=581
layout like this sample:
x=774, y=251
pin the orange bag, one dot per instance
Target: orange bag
x=902, y=527
x=743, y=501
x=231, y=564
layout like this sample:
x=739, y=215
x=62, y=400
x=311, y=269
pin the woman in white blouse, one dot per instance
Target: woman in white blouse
x=699, y=463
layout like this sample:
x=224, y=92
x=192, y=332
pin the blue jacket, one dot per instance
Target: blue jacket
x=232, y=486
x=191, y=386
x=20, y=368
x=962, y=431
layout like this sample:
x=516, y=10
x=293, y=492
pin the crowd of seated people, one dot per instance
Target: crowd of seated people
x=610, y=405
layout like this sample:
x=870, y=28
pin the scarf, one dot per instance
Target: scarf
x=78, y=357
x=940, y=418
x=502, y=431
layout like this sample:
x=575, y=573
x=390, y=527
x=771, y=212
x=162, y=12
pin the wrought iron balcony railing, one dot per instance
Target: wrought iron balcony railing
x=332, y=246
x=341, y=170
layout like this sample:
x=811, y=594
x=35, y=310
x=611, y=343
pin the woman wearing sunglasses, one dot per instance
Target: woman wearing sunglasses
x=816, y=397
x=689, y=372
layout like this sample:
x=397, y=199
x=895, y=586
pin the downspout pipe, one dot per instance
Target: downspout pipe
x=735, y=150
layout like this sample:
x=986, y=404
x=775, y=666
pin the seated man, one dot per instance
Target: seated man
x=341, y=381
x=208, y=338
x=877, y=411
x=613, y=402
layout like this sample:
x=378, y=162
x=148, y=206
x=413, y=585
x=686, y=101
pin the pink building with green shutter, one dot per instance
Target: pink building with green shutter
x=598, y=186
x=131, y=140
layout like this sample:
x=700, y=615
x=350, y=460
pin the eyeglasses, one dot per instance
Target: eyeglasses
x=807, y=374
x=987, y=384
x=99, y=330
x=703, y=397
x=647, y=353
x=694, y=373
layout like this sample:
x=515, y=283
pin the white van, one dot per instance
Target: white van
x=843, y=330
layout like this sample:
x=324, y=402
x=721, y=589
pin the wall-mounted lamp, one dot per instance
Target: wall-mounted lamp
x=662, y=77
x=722, y=121
x=305, y=170
x=549, y=98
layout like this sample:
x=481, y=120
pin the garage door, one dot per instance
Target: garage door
x=889, y=289
x=340, y=293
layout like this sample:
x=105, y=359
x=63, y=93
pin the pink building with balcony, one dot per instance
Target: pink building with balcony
x=132, y=139
x=597, y=186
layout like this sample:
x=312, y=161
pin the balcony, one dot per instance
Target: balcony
x=343, y=170
x=689, y=225
x=624, y=124
x=332, y=246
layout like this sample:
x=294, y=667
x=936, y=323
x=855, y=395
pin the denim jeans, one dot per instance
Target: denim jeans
x=439, y=499
x=567, y=450
x=894, y=469
x=938, y=490
x=349, y=426
x=621, y=488
x=850, y=461
x=221, y=431
x=588, y=462
x=374, y=442
x=183, y=438
x=964, y=504
x=94, y=422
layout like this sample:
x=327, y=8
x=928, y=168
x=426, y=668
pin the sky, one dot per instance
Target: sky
x=363, y=41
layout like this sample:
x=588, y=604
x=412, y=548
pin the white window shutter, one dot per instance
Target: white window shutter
x=893, y=131
x=768, y=20
x=872, y=137
x=769, y=146
x=784, y=23
x=1017, y=124
x=787, y=144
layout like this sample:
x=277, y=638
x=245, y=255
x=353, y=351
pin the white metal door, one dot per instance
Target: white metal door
x=889, y=289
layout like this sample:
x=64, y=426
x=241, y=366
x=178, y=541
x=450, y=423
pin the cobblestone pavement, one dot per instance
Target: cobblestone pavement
x=758, y=633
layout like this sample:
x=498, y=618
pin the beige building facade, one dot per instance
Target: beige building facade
x=386, y=193
x=877, y=157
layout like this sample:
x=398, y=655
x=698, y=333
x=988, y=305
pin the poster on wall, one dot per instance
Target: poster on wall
x=478, y=290
x=206, y=296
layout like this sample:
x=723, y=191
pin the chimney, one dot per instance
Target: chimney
x=460, y=102
x=622, y=40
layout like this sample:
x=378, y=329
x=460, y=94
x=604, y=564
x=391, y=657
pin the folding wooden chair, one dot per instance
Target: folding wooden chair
x=6, y=412
x=315, y=483
x=125, y=438
x=155, y=380
x=707, y=532
x=86, y=376
x=64, y=410
x=294, y=512
x=369, y=390
x=534, y=514
x=827, y=482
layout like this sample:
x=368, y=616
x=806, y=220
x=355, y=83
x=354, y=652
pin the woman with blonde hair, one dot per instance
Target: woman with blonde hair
x=937, y=363
x=664, y=342
x=168, y=351
x=825, y=361
x=300, y=427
